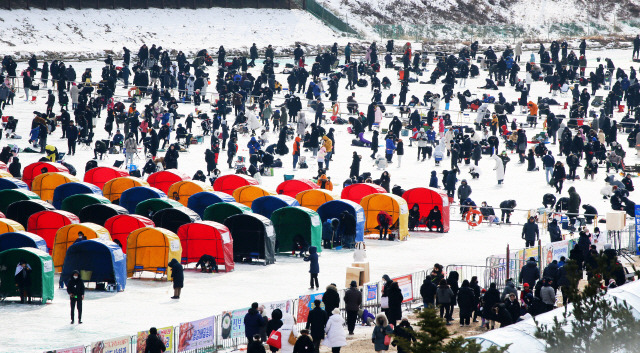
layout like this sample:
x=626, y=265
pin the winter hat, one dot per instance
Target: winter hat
x=526, y=285
x=153, y=330
x=354, y=284
x=336, y=311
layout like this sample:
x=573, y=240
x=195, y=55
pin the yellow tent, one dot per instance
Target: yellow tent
x=151, y=249
x=246, y=194
x=394, y=205
x=314, y=198
x=66, y=235
x=9, y=225
x=44, y=184
x=182, y=190
x=115, y=187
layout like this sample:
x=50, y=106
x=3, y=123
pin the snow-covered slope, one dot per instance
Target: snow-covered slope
x=464, y=19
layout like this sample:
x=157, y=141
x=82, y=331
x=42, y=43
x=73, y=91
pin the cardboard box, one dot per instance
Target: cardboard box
x=365, y=266
x=355, y=274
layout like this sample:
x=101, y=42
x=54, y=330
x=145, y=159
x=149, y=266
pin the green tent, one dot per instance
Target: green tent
x=41, y=274
x=9, y=196
x=296, y=220
x=218, y=212
x=75, y=203
x=155, y=205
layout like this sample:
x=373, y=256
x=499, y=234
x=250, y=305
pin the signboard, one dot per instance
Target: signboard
x=196, y=334
x=286, y=306
x=372, y=291
x=305, y=304
x=637, y=229
x=165, y=334
x=406, y=287
x=113, y=345
x=232, y=325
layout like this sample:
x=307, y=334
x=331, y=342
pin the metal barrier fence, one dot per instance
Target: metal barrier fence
x=143, y=4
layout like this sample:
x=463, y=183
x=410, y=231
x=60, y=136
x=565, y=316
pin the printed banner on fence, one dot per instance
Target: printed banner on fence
x=165, y=334
x=196, y=334
x=78, y=349
x=637, y=229
x=406, y=287
x=232, y=324
x=286, y=306
x=556, y=250
x=305, y=304
x=113, y=345
x=372, y=291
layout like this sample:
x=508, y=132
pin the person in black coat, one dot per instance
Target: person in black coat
x=23, y=282
x=316, y=321
x=466, y=303
x=354, y=170
x=530, y=272
x=255, y=345
x=507, y=207
x=403, y=331
x=374, y=144
x=274, y=325
x=177, y=273
x=210, y=159
x=154, y=343
x=428, y=292
x=75, y=289
x=253, y=321
x=331, y=299
x=303, y=343
x=15, y=168
x=393, y=292
x=502, y=315
x=490, y=298
x=72, y=137
x=171, y=158
x=513, y=307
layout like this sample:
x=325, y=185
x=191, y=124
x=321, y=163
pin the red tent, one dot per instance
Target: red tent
x=228, y=183
x=100, y=175
x=34, y=169
x=426, y=198
x=206, y=237
x=164, y=179
x=356, y=192
x=121, y=226
x=294, y=186
x=46, y=224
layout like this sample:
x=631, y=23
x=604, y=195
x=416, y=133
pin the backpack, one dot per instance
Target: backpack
x=362, y=83
x=90, y=165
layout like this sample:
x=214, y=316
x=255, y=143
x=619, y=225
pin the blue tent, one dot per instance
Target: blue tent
x=12, y=183
x=69, y=189
x=16, y=240
x=333, y=209
x=103, y=258
x=265, y=205
x=132, y=197
x=201, y=200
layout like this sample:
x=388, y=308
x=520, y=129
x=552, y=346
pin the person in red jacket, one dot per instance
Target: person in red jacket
x=384, y=222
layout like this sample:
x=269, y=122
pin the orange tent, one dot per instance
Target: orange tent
x=67, y=235
x=182, y=190
x=314, y=198
x=246, y=194
x=115, y=187
x=45, y=184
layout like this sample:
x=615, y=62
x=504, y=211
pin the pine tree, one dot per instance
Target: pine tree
x=434, y=337
x=594, y=323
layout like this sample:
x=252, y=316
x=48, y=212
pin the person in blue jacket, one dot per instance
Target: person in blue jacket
x=314, y=267
x=433, y=182
x=254, y=146
x=390, y=147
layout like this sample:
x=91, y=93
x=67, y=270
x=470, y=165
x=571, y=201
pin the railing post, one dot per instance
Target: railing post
x=508, y=262
x=540, y=256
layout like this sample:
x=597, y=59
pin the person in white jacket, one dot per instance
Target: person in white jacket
x=336, y=337
x=288, y=328
x=499, y=168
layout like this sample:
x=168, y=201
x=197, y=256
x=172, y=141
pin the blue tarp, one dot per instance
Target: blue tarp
x=201, y=200
x=16, y=240
x=265, y=205
x=333, y=209
x=74, y=188
x=103, y=258
x=132, y=197
x=12, y=183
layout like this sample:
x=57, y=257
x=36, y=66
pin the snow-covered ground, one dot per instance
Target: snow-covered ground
x=35, y=328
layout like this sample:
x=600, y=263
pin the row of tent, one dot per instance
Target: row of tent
x=111, y=206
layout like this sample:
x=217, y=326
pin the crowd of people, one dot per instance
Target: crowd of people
x=305, y=116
